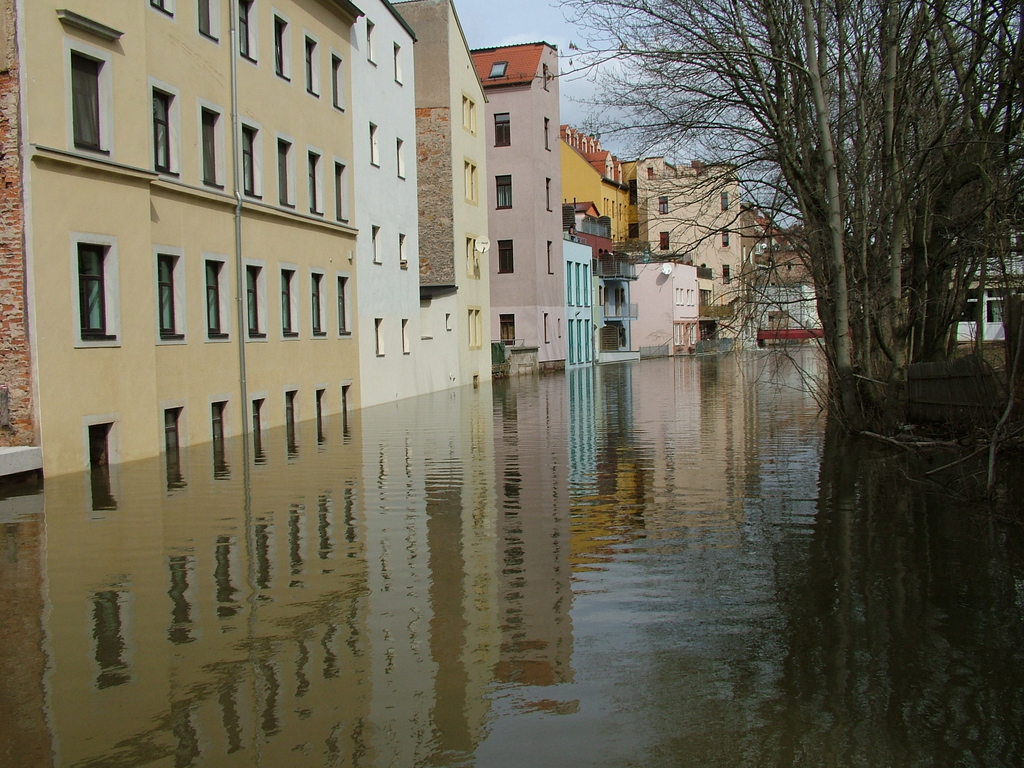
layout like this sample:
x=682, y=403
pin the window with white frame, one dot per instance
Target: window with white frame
x=315, y=183
x=256, y=301
x=403, y=257
x=375, y=243
x=400, y=157
x=170, y=283
x=378, y=335
x=282, y=48
x=247, y=36
x=89, y=77
x=312, y=61
x=342, y=301
x=337, y=81
x=406, y=349
x=469, y=114
x=289, y=313
x=284, y=173
x=208, y=18
x=211, y=136
x=252, y=164
x=340, y=192
x=398, y=63
x=218, y=299
x=96, y=290
x=162, y=131
x=316, y=303
x=374, y=146
x=369, y=41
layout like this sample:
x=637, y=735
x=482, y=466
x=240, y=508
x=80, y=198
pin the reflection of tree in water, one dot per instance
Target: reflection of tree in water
x=882, y=627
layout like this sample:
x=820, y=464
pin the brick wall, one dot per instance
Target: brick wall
x=15, y=368
x=434, y=171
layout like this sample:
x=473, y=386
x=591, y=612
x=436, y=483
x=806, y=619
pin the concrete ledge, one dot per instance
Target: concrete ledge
x=618, y=357
x=14, y=461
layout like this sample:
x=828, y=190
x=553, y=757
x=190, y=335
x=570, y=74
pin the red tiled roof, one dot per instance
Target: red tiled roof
x=523, y=63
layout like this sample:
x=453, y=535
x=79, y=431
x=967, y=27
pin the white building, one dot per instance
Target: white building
x=387, y=216
x=579, y=300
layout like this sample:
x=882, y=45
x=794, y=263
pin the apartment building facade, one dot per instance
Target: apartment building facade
x=592, y=174
x=523, y=193
x=690, y=214
x=384, y=121
x=451, y=157
x=190, y=266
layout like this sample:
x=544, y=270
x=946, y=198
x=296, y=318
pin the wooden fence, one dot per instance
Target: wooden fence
x=959, y=391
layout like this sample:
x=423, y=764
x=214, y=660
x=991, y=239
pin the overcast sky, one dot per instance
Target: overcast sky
x=493, y=22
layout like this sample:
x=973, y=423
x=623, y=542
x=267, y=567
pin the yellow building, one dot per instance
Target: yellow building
x=591, y=174
x=188, y=196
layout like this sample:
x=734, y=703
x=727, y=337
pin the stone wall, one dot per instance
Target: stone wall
x=434, y=174
x=16, y=420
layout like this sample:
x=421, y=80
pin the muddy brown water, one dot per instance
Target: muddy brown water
x=668, y=563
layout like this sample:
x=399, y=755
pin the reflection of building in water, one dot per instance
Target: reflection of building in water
x=429, y=480
x=535, y=594
x=608, y=479
x=24, y=737
x=212, y=623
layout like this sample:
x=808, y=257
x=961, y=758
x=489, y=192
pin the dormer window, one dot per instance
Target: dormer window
x=498, y=69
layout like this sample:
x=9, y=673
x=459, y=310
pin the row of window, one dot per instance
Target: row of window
x=99, y=316
x=507, y=328
x=507, y=261
x=208, y=25
x=580, y=344
x=87, y=85
x=663, y=202
x=577, y=284
x=664, y=238
x=502, y=188
x=503, y=130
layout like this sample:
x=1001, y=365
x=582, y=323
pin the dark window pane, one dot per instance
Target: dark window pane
x=209, y=147
x=504, y=191
x=165, y=287
x=85, y=101
x=506, y=261
x=213, y=321
x=92, y=301
x=502, y=130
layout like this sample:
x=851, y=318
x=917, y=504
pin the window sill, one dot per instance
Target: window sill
x=375, y=165
x=314, y=94
x=257, y=336
x=172, y=336
x=403, y=265
x=209, y=37
x=253, y=196
x=284, y=77
x=319, y=334
x=163, y=11
x=248, y=58
x=167, y=173
x=379, y=355
x=344, y=334
x=503, y=207
x=213, y=185
x=218, y=337
x=290, y=334
x=92, y=150
x=316, y=213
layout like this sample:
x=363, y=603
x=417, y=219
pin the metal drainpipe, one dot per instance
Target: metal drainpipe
x=240, y=277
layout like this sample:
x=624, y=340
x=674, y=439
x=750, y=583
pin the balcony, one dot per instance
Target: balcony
x=621, y=312
x=716, y=311
x=597, y=227
x=705, y=273
x=618, y=269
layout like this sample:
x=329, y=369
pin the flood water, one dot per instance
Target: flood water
x=668, y=563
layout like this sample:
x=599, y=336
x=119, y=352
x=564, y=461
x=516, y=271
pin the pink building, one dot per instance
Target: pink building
x=524, y=198
x=669, y=303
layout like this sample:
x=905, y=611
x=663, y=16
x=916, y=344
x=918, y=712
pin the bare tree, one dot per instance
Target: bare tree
x=888, y=130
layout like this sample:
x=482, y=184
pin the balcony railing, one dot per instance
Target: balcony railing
x=595, y=227
x=619, y=270
x=621, y=312
x=705, y=273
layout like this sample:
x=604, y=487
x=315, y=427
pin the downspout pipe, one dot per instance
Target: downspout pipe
x=240, y=277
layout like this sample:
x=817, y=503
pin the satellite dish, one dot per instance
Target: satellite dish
x=666, y=268
x=483, y=244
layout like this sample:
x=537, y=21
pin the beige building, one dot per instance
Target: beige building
x=189, y=265
x=451, y=160
x=691, y=214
